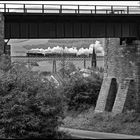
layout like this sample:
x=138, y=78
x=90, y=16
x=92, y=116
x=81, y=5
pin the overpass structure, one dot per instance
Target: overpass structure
x=70, y=21
x=120, y=25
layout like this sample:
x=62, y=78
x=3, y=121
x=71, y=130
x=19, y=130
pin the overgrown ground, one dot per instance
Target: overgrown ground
x=81, y=95
x=124, y=123
x=32, y=108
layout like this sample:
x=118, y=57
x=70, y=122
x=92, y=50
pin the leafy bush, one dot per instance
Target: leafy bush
x=29, y=108
x=5, y=63
x=81, y=92
x=66, y=68
x=34, y=64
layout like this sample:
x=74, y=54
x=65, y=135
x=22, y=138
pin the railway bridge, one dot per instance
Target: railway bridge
x=120, y=25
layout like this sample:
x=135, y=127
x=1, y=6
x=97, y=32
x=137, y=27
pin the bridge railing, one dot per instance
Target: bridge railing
x=66, y=8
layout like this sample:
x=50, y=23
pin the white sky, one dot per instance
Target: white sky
x=129, y=3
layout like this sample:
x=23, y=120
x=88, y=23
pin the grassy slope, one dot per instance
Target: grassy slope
x=124, y=123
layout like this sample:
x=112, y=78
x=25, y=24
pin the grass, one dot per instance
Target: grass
x=124, y=123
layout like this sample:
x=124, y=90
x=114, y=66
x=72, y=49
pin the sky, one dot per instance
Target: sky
x=129, y=3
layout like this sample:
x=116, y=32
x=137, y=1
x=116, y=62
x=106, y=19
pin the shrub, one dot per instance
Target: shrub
x=5, y=63
x=29, y=108
x=66, y=68
x=81, y=92
x=34, y=64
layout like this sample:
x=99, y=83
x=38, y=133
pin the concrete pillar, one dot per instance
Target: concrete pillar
x=1, y=34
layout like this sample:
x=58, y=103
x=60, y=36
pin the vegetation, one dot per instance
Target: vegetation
x=34, y=64
x=81, y=92
x=81, y=115
x=123, y=123
x=66, y=68
x=5, y=63
x=29, y=108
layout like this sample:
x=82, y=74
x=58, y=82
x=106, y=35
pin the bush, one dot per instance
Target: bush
x=29, y=108
x=34, y=64
x=66, y=68
x=5, y=63
x=81, y=92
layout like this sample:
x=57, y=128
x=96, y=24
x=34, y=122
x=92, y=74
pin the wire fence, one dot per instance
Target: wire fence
x=54, y=64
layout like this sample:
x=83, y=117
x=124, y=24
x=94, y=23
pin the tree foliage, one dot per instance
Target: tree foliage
x=29, y=108
x=81, y=92
x=66, y=68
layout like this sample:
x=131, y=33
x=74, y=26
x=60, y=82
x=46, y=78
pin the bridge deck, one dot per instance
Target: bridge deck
x=73, y=9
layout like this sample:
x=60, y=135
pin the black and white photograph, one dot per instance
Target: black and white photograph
x=69, y=69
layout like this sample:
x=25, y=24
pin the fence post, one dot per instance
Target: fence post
x=127, y=9
x=78, y=9
x=112, y=9
x=54, y=65
x=95, y=9
x=60, y=11
x=24, y=8
x=4, y=7
x=84, y=62
x=42, y=8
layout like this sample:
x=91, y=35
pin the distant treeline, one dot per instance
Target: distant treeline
x=66, y=42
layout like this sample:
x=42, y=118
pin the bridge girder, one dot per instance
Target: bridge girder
x=70, y=26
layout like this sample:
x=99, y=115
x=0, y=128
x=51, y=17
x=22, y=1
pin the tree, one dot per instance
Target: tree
x=29, y=108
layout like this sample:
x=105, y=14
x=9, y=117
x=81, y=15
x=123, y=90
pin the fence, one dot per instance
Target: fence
x=53, y=64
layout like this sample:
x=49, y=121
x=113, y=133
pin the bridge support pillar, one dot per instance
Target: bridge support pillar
x=119, y=63
x=137, y=75
x=5, y=59
x=1, y=34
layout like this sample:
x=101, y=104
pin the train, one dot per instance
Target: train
x=55, y=54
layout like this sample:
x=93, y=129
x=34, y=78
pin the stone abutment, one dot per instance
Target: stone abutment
x=1, y=34
x=122, y=62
